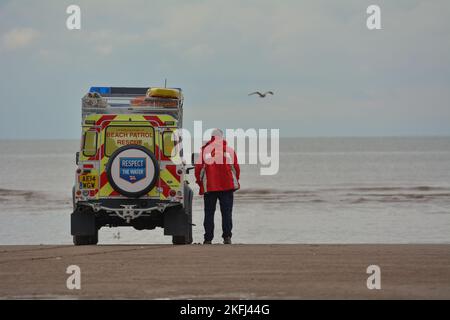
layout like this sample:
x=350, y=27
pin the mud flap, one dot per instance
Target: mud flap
x=82, y=223
x=176, y=222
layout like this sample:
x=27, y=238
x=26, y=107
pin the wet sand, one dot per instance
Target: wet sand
x=228, y=272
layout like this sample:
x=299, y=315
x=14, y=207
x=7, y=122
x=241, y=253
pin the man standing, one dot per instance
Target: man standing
x=217, y=174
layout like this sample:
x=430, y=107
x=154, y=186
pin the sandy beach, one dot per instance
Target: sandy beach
x=229, y=272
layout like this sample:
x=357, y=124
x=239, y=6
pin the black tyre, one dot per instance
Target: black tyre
x=85, y=240
x=181, y=240
x=113, y=171
x=186, y=239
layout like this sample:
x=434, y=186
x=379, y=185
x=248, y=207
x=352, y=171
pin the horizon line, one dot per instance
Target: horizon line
x=281, y=137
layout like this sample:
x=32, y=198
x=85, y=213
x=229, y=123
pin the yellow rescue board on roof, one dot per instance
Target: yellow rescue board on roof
x=164, y=93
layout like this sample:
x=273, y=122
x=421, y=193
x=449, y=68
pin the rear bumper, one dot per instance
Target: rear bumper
x=86, y=223
x=129, y=209
x=173, y=218
x=118, y=203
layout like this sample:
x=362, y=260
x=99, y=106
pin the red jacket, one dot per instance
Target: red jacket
x=217, y=167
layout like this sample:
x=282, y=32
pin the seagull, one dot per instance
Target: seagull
x=261, y=95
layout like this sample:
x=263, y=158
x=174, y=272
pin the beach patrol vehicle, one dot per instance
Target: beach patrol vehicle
x=127, y=174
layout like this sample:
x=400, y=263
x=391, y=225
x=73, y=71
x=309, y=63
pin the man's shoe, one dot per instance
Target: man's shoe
x=207, y=242
x=227, y=240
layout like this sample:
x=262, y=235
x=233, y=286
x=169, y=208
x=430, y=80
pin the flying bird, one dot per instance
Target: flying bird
x=261, y=95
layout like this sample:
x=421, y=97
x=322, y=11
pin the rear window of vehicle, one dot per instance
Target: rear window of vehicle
x=168, y=143
x=119, y=136
x=90, y=144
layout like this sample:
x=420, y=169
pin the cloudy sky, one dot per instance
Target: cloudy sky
x=331, y=75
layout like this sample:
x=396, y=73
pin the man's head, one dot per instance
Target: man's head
x=217, y=134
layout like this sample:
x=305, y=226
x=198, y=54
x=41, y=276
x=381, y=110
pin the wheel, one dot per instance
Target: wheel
x=132, y=171
x=180, y=240
x=178, y=220
x=83, y=227
x=85, y=240
x=187, y=239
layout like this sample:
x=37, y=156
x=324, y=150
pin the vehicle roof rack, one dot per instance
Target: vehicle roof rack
x=121, y=100
x=122, y=91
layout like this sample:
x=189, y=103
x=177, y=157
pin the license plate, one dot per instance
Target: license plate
x=88, y=181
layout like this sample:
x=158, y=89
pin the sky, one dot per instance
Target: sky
x=330, y=74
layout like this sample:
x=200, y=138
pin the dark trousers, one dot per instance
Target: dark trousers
x=226, y=207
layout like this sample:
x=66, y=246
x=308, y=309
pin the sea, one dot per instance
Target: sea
x=327, y=190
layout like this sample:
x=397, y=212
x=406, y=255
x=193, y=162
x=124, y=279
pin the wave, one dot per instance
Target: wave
x=264, y=191
x=397, y=198
x=24, y=194
x=404, y=195
x=345, y=195
x=30, y=201
x=392, y=189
